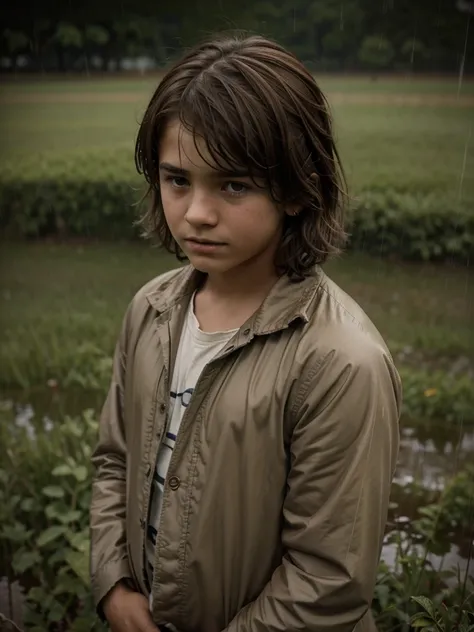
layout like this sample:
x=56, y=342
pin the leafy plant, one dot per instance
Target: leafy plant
x=424, y=227
x=45, y=482
x=440, y=618
x=437, y=395
x=446, y=602
x=452, y=511
x=44, y=506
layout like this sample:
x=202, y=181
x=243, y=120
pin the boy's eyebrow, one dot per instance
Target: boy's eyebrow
x=217, y=173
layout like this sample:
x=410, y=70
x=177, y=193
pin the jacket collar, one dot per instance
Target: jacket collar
x=287, y=301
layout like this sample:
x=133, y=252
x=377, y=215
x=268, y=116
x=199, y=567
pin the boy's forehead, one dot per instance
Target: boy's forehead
x=186, y=150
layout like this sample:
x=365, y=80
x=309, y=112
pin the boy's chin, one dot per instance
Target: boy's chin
x=207, y=266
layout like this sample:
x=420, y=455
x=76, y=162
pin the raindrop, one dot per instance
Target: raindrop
x=438, y=15
x=412, y=57
x=463, y=58
x=463, y=170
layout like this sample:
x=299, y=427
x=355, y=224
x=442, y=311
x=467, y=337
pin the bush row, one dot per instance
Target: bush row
x=412, y=226
x=45, y=490
x=415, y=227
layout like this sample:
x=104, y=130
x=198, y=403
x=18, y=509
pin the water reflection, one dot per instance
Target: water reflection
x=431, y=456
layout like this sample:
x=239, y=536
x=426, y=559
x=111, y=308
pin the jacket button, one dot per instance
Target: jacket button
x=174, y=483
x=162, y=408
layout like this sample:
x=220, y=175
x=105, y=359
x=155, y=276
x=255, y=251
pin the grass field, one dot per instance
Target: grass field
x=59, y=299
x=409, y=133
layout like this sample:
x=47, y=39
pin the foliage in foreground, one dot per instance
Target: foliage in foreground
x=44, y=542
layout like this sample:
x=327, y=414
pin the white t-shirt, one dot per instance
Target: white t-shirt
x=196, y=349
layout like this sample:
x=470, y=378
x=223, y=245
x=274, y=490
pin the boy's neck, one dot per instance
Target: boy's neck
x=238, y=288
x=227, y=301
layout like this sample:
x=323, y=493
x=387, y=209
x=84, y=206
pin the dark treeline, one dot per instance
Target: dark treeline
x=330, y=35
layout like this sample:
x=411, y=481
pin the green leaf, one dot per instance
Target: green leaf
x=79, y=541
x=421, y=623
x=80, y=472
x=57, y=557
x=15, y=533
x=53, y=511
x=27, y=504
x=36, y=594
x=23, y=560
x=79, y=563
x=50, y=534
x=57, y=611
x=61, y=470
x=70, y=516
x=426, y=604
x=53, y=491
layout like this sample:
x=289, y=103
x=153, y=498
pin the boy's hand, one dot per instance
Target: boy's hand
x=128, y=611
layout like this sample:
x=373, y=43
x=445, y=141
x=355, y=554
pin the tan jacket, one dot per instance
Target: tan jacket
x=277, y=493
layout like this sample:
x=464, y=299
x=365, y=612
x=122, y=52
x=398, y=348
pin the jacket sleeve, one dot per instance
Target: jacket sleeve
x=109, y=558
x=344, y=448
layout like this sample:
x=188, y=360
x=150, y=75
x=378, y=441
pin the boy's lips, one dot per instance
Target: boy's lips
x=204, y=242
x=203, y=246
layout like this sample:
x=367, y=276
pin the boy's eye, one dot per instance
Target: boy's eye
x=177, y=181
x=236, y=188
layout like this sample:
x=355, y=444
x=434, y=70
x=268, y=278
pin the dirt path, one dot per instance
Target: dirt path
x=357, y=98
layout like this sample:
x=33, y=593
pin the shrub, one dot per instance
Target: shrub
x=45, y=483
x=95, y=195
x=415, y=227
x=452, y=512
x=437, y=395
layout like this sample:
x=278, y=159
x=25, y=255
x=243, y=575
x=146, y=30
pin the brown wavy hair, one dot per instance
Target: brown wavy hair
x=257, y=107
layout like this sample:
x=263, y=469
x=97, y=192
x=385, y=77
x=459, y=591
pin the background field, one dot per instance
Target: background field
x=415, y=145
x=407, y=133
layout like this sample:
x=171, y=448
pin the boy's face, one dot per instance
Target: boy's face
x=222, y=222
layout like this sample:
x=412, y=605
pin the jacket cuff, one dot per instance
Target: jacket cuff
x=107, y=577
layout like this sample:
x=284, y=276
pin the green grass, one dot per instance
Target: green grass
x=63, y=304
x=410, y=148
x=414, y=148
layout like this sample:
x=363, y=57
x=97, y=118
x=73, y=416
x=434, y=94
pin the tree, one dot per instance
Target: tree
x=376, y=53
x=96, y=38
x=16, y=42
x=413, y=51
x=69, y=42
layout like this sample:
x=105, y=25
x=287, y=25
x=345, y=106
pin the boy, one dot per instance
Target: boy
x=250, y=434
